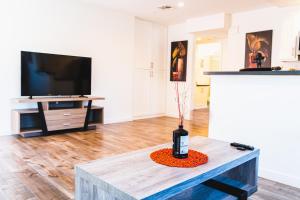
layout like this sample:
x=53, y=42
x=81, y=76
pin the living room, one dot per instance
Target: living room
x=96, y=91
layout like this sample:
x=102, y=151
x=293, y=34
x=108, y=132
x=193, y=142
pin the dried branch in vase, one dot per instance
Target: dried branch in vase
x=180, y=98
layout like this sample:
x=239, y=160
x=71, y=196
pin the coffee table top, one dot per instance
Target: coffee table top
x=134, y=175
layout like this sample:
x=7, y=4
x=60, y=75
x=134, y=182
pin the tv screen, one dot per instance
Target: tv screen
x=45, y=74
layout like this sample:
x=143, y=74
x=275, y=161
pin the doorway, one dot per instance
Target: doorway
x=208, y=57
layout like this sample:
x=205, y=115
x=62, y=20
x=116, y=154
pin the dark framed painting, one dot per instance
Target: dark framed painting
x=258, y=49
x=178, y=61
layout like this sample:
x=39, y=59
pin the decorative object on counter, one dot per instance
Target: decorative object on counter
x=278, y=68
x=259, y=59
x=258, y=49
x=256, y=69
x=178, y=60
x=261, y=69
x=180, y=136
x=164, y=157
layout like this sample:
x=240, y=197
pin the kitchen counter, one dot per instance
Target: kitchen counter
x=261, y=110
x=275, y=73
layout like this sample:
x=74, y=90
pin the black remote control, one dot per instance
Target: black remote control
x=241, y=148
x=238, y=145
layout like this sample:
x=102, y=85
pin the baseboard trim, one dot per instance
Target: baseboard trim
x=113, y=121
x=286, y=179
x=7, y=134
x=200, y=107
x=149, y=116
x=176, y=116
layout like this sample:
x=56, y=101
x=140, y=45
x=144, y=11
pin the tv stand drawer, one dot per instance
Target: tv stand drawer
x=65, y=114
x=53, y=125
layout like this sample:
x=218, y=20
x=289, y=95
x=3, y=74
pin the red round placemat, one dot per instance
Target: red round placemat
x=165, y=157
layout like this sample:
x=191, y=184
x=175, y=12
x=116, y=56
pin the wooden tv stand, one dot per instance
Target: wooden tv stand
x=55, y=114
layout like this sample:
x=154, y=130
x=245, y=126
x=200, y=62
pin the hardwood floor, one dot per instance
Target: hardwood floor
x=43, y=167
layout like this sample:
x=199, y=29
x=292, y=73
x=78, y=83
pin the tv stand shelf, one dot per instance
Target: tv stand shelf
x=55, y=99
x=56, y=114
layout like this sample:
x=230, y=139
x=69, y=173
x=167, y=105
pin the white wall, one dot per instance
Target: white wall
x=207, y=23
x=233, y=54
x=73, y=28
x=252, y=21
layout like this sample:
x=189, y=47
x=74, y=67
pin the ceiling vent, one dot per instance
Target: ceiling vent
x=165, y=7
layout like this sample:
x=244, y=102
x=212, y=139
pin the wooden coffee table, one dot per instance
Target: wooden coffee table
x=229, y=174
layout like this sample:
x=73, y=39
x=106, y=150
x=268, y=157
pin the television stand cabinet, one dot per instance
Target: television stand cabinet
x=56, y=114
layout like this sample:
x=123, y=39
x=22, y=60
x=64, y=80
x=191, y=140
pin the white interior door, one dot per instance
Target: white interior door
x=141, y=99
x=149, y=72
x=158, y=70
x=143, y=44
x=157, y=92
x=143, y=56
x=159, y=46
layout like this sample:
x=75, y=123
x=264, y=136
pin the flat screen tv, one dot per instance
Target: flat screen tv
x=44, y=74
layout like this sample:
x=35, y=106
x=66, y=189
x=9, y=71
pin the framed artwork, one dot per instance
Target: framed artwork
x=258, y=51
x=178, y=61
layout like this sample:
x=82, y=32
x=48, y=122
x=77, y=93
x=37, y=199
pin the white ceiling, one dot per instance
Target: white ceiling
x=147, y=9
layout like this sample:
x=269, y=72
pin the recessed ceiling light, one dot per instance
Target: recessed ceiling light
x=180, y=4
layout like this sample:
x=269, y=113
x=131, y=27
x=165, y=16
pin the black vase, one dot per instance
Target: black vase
x=180, y=143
